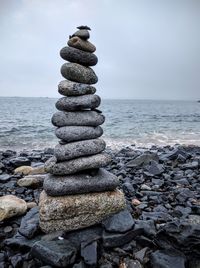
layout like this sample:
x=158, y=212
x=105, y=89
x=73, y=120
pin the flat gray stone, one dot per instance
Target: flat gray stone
x=78, y=103
x=69, y=88
x=72, y=212
x=83, y=34
x=78, y=73
x=79, y=43
x=83, y=118
x=76, y=165
x=75, y=55
x=79, y=148
x=77, y=133
x=81, y=183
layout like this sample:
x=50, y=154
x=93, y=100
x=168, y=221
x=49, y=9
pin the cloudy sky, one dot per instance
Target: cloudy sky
x=147, y=49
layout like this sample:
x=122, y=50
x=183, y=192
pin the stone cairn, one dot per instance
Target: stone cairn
x=78, y=191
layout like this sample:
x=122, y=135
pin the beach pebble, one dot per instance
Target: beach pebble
x=75, y=55
x=81, y=44
x=77, y=133
x=33, y=181
x=89, y=253
x=83, y=118
x=78, y=103
x=78, y=73
x=25, y=170
x=19, y=161
x=11, y=206
x=83, y=34
x=81, y=183
x=80, y=148
x=77, y=164
x=69, y=88
x=4, y=178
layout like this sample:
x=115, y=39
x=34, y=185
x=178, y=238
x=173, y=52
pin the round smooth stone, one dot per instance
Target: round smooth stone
x=80, y=183
x=83, y=118
x=78, y=56
x=79, y=148
x=78, y=73
x=83, y=34
x=81, y=44
x=69, y=88
x=76, y=165
x=78, y=103
x=77, y=133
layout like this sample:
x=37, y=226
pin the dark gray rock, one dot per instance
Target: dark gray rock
x=19, y=161
x=69, y=88
x=83, y=118
x=119, y=223
x=167, y=259
x=89, y=253
x=78, y=103
x=78, y=73
x=78, y=56
x=78, y=133
x=4, y=178
x=59, y=253
x=142, y=159
x=77, y=165
x=111, y=240
x=30, y=223
x=79, y=148
x=81, y=44
x=154, y=168
x=83, y=183
x=83, y=34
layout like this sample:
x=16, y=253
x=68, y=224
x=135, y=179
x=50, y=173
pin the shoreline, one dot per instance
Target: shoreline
x=162, y=191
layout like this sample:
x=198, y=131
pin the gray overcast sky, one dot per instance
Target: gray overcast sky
x=146, y=49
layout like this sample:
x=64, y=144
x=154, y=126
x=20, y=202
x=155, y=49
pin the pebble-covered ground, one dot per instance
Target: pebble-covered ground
x=159, y=229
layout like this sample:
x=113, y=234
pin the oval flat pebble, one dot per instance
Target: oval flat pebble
x=77, y=133
x=77, y=164
x=81, y=44
x=69, y=88
x=78, y=103
x=79, y=148
x=83, y=118
x=78, y=56
x=78, y=73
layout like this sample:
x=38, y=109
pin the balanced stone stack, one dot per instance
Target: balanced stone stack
x=78, y=191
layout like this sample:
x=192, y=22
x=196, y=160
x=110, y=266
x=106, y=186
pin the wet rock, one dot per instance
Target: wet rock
x=70, y=104
x=119, y=223
x=33, y=181
x=69, y=88
x=80, y=148
x=83, y=118
x=96, y=206
x=75, y=55
x=78, y=133
x=154, y=168
x=59, y=253
x=4, y=178
x=89, y=253
x=30, y=223
x=11, y=206
x=16, y=261
x=81, y=44
x=141, y=255
x=78, y=73
x=19, y=161
x=167, y=259
x=76, y=165
x=81, y=183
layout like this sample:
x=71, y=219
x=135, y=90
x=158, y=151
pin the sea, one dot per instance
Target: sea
x=25, y=123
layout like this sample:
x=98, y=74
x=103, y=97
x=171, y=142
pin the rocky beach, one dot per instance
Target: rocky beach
x=160, y=228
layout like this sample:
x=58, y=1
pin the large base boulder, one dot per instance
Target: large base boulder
x=78, y=211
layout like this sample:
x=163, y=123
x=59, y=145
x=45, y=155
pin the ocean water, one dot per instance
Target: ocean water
x=25, y=123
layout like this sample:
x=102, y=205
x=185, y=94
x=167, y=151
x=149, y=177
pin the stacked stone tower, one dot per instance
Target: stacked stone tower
x=78, y=191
